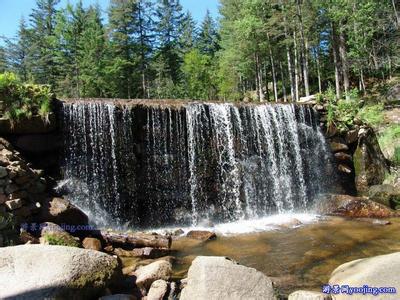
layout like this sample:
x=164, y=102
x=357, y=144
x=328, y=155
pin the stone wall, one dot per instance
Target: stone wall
x=22, y=192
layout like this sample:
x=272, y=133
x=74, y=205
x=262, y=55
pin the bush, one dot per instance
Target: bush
x=24, y=100
x=372, y=115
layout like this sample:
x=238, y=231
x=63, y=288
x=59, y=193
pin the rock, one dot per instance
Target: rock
x=385, y=194
x=352, y=136
x=375, y=221
x=341, y=156
x=308, y=295
x=52, y=234
x=369, y=162
x=3, y=199
x=353, y=207
x=32, y=125
x=337, y=147
x=91, y=243
x=344, y=169
x=201, y=235
x=146, y=275
x=378, y=271
x=26, y=237
x=61, y=211
x=14, y=204
x=293, y=222
x=118, y=297
x=55, y=272
x=158, y=290
x=393, y=94
x=3, y=172
x=308, y=99
x=212, y=277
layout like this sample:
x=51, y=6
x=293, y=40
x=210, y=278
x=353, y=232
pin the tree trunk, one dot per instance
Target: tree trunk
x=336, y=61
x=345, y=63
x=296, y=70
x=283, y=82
x=303, y=50
x=289, y=59
x=318, y=73
x=274, y=84
x=136, y=240
x=396, y=14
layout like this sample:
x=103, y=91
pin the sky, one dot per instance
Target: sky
x=11, y=11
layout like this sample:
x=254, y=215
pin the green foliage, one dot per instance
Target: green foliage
x=396, y=156
x=389, y=138
x=372, y=114
x=24, y=100
x=60, y=239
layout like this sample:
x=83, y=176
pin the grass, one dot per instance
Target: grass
x=372, y=114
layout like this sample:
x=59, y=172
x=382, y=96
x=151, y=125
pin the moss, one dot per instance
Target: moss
x=60, y=239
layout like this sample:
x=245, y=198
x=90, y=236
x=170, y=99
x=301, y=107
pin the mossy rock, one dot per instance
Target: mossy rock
x=59, y=239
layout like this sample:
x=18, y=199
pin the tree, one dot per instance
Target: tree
x=19, y=52
x=3, y=60
x=188, y=34
x=208, y=39
x=43, y=20
x=121, y=61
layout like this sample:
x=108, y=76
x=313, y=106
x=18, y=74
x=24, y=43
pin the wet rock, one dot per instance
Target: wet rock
x=146, y=275
x=91, y=243
x=14, y=204
x=308, y=295
x=3, y=172
x=344, y=169
x=35, y=124
x=337, y=147
x=201, y=235
x=352, y=136
x=375, y=221
x=291, y=223
x=369, y=162
x=378, y=271
x=55, y=272
x=158, y=290
x=61, y=211
x=212, y=277
x=385, y=194
x=341, y=156
x=118, y=297
x=353, y=207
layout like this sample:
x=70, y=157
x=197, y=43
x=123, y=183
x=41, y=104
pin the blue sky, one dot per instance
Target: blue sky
x=11, y=11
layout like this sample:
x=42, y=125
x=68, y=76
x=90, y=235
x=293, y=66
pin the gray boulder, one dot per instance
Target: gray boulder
x=146, y=275
x=378, y=271
x=40, y=271
x=213, y=277
x=385, y=194
x=309, y=295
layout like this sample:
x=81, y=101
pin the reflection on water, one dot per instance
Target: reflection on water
x=297, y=258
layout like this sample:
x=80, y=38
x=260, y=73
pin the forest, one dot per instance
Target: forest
x=272, y=50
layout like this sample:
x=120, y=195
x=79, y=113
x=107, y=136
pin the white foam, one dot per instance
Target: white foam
x=268, y=223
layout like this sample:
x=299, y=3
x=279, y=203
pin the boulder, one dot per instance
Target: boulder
x=39, y=271
x=369, y=163
x=308, y=295
x=91, y=243
x=341, y=156
x=385, y=194
x=118, y=297
x=337, y=147
x=146, y=275
x=393, y=95
x=344, y=169
x=61, y=211
x=215, y=278
x=352, y=136
x=52, y=234
x=353, y=207
x=158, y=290
x=202, y=235
x=378, y=271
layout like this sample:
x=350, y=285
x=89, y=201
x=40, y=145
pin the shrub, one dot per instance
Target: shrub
x=372, y=115
x=24, y=100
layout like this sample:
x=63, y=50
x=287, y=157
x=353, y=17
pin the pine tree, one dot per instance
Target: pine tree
x=167, y=59
x=3, y=60
x=121, y=67
x=43, y=18
x=188, y=34
x=91, y=55
x=208, y=39
x=19, y=52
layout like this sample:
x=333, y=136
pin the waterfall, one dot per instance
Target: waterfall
x=152, y=164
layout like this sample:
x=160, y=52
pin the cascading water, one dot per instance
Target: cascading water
x=152, y=163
